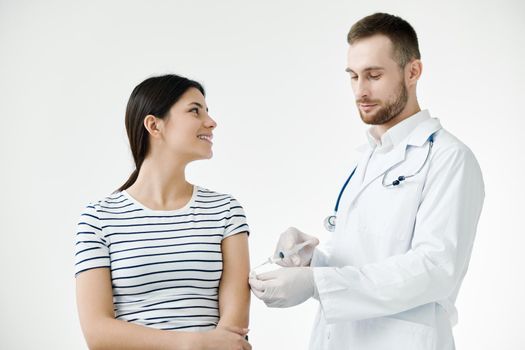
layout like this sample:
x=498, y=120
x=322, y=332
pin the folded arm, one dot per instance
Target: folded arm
x=101, y=329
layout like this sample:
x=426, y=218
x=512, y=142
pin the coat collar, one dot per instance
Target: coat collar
x=411, y=131
x=417, y=137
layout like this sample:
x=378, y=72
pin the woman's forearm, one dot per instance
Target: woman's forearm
x=109, y=333
x=237, y=316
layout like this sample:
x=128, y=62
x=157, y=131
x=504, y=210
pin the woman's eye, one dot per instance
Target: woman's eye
x=353, y=77
x=194, y=110
x=375, y=76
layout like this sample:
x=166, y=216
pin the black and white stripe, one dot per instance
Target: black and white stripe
x=165, y=265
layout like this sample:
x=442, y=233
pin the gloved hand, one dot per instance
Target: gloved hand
x=284, y=287
x=290, y=238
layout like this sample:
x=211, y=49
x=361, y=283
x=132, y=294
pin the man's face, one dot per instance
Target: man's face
x=377, y=80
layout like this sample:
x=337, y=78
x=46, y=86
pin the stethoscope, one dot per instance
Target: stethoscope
x=329, y=222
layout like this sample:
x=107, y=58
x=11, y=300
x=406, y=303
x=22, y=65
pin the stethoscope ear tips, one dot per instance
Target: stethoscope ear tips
x=398, y=181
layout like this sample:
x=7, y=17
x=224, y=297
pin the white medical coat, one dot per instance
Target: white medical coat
x=389, y=276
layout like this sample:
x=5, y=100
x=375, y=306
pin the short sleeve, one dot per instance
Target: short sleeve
x=91, y=250
x=236, y=220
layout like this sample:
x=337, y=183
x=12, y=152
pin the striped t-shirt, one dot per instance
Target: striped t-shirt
x=165, y=265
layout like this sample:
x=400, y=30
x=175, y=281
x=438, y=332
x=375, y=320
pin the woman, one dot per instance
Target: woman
x=162, y=263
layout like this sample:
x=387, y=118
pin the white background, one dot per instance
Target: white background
x=288, y=127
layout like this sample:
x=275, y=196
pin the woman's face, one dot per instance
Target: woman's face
x=187, y=130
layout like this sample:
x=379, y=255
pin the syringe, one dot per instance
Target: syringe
x=285, y=254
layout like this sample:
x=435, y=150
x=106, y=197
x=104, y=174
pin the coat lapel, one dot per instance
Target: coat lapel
x=356, y=182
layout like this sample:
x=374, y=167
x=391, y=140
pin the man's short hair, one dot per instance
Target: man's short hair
x=399, y=31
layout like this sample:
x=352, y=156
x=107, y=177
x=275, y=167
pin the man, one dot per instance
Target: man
x=389, y=276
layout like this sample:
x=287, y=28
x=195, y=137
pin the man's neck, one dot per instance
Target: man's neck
x=380, y=130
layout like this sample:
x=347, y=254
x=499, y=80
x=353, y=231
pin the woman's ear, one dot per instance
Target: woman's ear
x=153, y=125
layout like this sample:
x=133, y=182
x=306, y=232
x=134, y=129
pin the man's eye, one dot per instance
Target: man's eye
x=353, y=77
x=375, y=76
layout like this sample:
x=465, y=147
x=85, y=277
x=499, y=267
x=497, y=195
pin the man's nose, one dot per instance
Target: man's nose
x=361, y=89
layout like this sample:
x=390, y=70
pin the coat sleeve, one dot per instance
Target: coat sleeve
x=321, y=254
x=437, y=260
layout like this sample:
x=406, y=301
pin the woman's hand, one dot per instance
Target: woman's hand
x=225, y=338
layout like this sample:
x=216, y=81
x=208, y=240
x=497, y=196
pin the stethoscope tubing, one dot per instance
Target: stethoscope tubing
x=330, y=220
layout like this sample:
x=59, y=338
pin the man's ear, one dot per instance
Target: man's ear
x=413, y=71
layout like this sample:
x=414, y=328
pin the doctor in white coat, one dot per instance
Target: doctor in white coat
x=389, y=276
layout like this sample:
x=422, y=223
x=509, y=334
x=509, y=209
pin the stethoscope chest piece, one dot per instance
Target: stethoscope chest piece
x=329, y=223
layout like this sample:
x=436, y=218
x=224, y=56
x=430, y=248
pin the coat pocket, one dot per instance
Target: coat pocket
x=387, y=333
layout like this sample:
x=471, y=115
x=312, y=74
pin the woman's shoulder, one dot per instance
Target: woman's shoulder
x=236, y=217
x=205, y=194
x=110, y=201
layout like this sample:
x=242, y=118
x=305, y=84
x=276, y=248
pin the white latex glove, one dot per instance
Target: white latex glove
x=284, y=287
x=290, y=238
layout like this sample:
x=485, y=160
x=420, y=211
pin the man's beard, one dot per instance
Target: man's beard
x=389, y=111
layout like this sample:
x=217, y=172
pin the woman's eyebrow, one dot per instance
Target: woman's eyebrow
x=199, y=105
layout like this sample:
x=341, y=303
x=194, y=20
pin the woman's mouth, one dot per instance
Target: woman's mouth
x=206, y=138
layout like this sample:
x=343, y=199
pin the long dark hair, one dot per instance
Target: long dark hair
x=153, y=96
